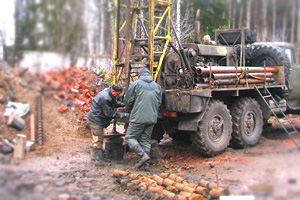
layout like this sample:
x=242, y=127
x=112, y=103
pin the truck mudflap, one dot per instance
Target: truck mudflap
x=186, y=101
x=189, y=122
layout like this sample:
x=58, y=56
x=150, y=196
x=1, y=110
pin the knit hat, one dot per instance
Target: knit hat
x=117, y=88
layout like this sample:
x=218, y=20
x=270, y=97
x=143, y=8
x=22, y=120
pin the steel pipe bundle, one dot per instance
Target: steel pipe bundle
x=216, y=75
x=241, y=81
x=218, y=69
x=234, y=75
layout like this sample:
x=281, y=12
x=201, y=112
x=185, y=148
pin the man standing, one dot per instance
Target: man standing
x=144, y=96
x=100, y=115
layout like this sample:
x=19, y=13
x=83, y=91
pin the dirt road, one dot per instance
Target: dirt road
x=268, y=171
x=61, y=168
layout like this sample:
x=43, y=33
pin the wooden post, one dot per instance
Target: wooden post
x=19, y=152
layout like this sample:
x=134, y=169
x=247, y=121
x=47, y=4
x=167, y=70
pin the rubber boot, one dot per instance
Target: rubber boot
x=97, y=156
x=143, y=156
x=142, y=161
x=145, y=166
x=92, y=151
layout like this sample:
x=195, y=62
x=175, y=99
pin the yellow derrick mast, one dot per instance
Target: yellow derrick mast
x=142, y=35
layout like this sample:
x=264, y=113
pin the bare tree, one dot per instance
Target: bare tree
x=178, y=23
x=293, y=21
x=264, y=20
x=241, y=14
x=185, y=27
x=274, y=21
x=298, y=23
x=232, y=13
x=248, y=19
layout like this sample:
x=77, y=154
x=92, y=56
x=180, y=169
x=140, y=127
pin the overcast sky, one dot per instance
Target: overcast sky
x=7, y=29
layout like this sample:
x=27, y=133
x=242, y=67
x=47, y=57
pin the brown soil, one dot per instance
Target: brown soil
x=61, y=168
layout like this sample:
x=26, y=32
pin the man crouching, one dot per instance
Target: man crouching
x=100, y=116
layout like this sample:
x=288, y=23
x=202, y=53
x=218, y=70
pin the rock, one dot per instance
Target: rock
x=5, y=149
x=16, y=122
x=30, y=146
x=269, y=189
x=54, y=85
x=39, y=188
x=292, y=181
x=3, y=99
x=5, y=160
x=64, y=196
x=23, y=83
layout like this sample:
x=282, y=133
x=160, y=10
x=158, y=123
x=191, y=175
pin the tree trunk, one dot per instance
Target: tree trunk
x=293, y=21
x=298, y=24
x=102, y=27
x=249, y=5
x=274, y=21
x=178, y=31
x=264, y=20
x=241, y=15
x=227, y=14
x=232, y=13
x=89, y=26
x=284, y=23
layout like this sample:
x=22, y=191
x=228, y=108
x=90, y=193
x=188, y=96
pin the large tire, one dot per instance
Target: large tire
x=273, y=56
x=214, y=132
x=247, y=122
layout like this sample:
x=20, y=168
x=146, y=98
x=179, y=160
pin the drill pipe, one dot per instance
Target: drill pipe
x=233, y=81
x=233, y=75
x=40, y=132
x=217, y=69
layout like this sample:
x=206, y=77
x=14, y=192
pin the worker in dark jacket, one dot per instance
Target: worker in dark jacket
x=144, y=96
x=100, y=116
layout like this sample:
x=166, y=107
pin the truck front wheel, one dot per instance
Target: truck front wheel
x=214, y=131
x=247, y=122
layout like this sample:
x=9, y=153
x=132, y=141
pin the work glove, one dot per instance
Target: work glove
x=120, y=115
x=121, y=104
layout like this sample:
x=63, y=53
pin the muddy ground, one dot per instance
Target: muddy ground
x=61, y=168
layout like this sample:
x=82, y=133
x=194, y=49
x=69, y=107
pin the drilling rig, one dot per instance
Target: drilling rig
x=217, y=92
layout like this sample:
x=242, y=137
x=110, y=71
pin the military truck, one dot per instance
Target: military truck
x=216, y=92
x=223, y=109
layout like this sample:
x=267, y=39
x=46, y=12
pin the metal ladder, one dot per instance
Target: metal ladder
x=269, y=96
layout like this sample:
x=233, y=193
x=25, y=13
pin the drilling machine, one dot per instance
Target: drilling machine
x=217, y=93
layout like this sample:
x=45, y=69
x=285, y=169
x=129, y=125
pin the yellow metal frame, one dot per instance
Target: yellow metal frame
x=157, y=21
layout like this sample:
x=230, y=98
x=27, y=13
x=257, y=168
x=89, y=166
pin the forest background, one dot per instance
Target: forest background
x=86, y=28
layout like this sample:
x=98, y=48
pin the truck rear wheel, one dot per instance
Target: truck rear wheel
x=214, y=131
x=247, y=122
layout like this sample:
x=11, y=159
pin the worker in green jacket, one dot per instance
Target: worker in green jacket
x=144, y=96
